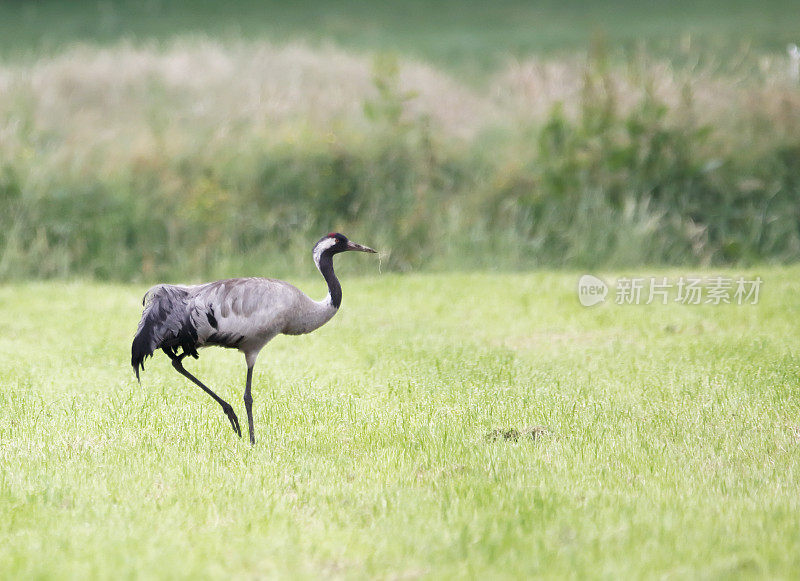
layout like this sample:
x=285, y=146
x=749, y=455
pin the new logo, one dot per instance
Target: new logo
x=591, y=290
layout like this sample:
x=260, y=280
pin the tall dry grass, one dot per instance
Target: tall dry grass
x=201, y=158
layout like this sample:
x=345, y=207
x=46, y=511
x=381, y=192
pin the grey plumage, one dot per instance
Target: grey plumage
x=239, y=313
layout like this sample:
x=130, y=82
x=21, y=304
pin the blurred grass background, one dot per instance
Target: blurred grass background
x=467, y=35
x=180, y=140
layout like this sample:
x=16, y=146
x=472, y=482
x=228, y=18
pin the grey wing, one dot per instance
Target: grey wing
x=242, y=312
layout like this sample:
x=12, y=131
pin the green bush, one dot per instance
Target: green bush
x=605, y=185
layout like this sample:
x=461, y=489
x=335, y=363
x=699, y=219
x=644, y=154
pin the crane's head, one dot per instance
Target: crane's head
x=334, y=243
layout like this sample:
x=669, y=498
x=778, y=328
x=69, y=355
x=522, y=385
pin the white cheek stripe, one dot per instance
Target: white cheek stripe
x=322, y=247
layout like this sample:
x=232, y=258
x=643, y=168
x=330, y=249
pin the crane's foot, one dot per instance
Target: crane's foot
x=233, y=419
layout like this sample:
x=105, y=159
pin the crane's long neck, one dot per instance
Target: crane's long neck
x=325, y=265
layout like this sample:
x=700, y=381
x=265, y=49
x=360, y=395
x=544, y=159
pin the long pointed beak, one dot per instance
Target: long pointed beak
x=359, y=247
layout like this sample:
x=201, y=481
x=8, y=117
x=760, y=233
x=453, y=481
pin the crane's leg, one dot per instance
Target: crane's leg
x=226, y=407
x=248, y=403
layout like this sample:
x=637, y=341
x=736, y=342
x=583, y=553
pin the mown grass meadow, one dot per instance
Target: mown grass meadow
x=672, y=445
x=493, y=153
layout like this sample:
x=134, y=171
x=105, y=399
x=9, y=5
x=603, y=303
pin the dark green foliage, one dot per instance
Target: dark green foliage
x=465, y=35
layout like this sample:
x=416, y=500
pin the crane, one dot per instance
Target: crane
x=236, y=313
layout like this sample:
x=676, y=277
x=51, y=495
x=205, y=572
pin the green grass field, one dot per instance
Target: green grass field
x=189, y=139
x=466, y=36
x=672, y=451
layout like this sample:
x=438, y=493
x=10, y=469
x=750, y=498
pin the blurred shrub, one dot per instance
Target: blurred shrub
x=610, y=176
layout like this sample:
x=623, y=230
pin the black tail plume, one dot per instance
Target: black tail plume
x=166, y=324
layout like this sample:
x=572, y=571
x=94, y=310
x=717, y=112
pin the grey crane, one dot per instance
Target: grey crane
x=237, y=313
